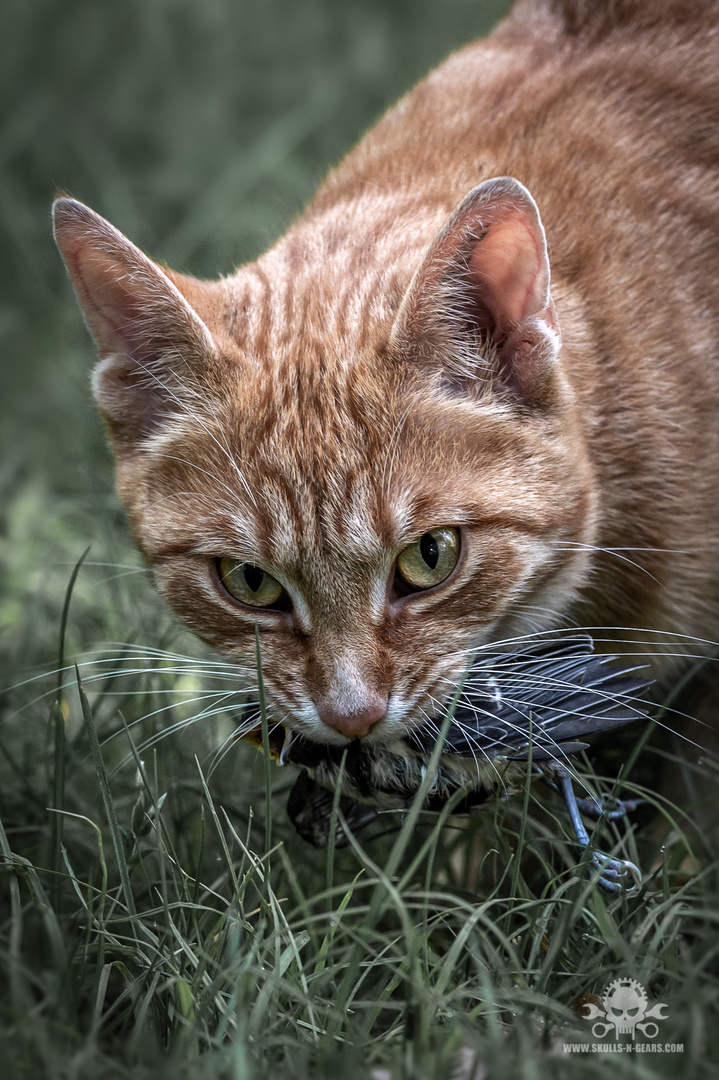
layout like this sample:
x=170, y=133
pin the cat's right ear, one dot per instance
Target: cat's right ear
x=479, y=308
x=150, y=340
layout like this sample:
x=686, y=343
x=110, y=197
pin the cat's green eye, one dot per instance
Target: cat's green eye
x=249, y=583
x=431, y=559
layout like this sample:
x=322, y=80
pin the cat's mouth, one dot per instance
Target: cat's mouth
x=541, y=700
x=279, y=738
x=287, y=746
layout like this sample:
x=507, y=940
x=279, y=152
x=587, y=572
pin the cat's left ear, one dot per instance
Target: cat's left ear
x=479, y=305
x=155, y=351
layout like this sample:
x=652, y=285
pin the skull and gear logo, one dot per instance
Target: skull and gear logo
x=625, y=1009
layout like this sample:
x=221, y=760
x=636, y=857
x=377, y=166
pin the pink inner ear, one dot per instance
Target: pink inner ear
x=113, y=309
x=509, y=268
x=130, y=304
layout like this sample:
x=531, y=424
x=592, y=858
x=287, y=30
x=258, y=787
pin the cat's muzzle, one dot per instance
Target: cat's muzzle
x=529, y=708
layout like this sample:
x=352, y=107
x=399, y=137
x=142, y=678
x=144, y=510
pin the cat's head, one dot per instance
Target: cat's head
x=377, y=462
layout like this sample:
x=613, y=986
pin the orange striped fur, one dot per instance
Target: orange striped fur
x=393, y=365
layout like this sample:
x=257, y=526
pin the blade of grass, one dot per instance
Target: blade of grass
x=17, y=987
x=330, y=862
x=57, y=717
x=265, y=742
x=115, y=833
x=517, y=857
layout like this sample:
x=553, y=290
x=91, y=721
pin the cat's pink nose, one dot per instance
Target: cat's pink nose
x=353, y=725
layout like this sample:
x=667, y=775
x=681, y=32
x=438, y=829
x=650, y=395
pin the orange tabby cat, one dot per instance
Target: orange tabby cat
x=472, y=393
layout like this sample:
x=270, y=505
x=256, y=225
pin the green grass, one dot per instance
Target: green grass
x=165, y=929
x=158, y=914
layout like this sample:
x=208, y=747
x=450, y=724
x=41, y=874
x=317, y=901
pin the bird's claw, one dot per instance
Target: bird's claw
x=597, y=807
x=614, y=872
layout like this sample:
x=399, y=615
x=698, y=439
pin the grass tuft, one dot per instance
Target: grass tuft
x=180, y=936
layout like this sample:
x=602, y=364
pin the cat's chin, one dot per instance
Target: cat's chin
x=284, y=740
x=382, y=736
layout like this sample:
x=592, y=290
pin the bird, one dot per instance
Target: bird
x=526, y=707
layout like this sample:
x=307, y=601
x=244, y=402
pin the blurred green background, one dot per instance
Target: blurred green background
x=199, y=128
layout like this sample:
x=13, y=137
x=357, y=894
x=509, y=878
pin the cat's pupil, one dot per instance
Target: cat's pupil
x=253, y=576
x=429, y=550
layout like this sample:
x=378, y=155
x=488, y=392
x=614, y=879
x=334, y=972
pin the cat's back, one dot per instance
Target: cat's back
x=606, y=111
x=584, y=102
